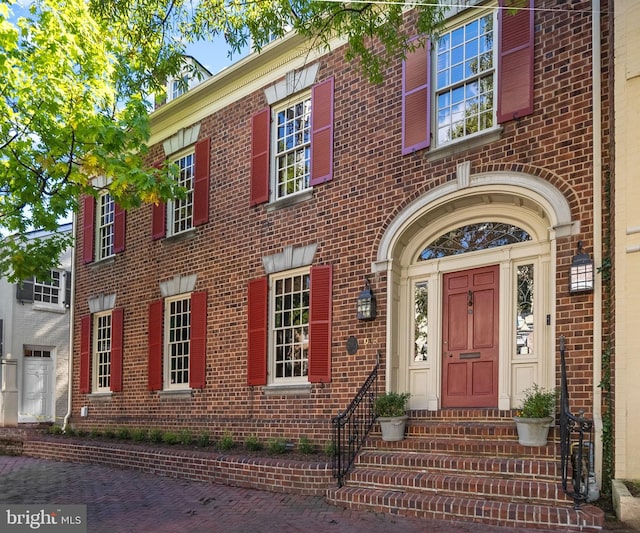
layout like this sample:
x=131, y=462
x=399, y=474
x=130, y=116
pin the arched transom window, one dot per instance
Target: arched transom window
x=474, y=237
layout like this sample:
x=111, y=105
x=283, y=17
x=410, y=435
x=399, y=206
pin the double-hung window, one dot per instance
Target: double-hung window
x=177, y=342
x=101, y=350
x=289, y=327
x=478, y=74
x=465, y=79
x=48, y=291
x=180, y=215
x=180, y=210
x=292, y=145
x=51, y=293
x=103, y=228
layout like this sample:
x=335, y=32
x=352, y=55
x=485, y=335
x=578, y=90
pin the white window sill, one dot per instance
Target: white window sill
x=106, y=261
x=100, y=396
x=290, y=389
x=292, y=199
x=176, y=393
x=466, y=143
x=38, y=306
x=183, y=235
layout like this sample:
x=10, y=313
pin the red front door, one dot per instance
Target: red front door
x=470, y=338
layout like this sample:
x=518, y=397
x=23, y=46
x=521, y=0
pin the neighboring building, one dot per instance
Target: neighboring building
x=626, y=229
x=193, y=74
x=34, y=330
x=462, y=187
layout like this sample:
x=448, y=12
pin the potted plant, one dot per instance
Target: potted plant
x=535, y=415
x=390, y=409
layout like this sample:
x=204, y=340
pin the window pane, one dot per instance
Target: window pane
x=48, y=291
x=292, y=148
x=463, y=55
x=525, y=314
x=421, y=319
x=181, y=209
x=102, y=335
x=291, y=326
x=474, y=237
x=179, y=336
x=106, y=215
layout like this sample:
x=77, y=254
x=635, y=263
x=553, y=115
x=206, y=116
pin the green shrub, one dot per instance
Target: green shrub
x=185, y=437
x=203, y=440
x=55, y=430
x=155, y=435
x=123, y=433
x=69, y=431
x=109, y=433
x=226, y=442
x=95, y=433
x=170, y=437
x=252, y=443
x=277, y=446
x=391, y=404
x=537, y=403
x=330, y=449
x=139, y=435
x=305, y=446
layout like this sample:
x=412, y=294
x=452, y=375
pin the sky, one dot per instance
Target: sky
x=213, y=55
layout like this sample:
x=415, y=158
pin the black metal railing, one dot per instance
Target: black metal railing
x=351, y=426
x=576, y=444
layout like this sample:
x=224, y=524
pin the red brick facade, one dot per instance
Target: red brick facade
x=346, y=218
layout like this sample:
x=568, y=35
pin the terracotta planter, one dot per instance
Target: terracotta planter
x=393, y=427
x=533, y=431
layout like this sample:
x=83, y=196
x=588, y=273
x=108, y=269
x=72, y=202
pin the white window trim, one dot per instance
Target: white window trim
x=98, y=227
x=275, y=109
x=47, y=306
x=292, y=383
x=166, y=355
x=94, y=351
x=457, y=22
x=170, y=206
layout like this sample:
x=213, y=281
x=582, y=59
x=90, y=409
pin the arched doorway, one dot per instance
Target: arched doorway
x=471, y=290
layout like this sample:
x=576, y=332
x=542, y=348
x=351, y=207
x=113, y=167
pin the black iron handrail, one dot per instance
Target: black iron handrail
x=351, y=426
x=574, y=453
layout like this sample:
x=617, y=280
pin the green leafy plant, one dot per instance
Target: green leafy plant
x=226, y=442
x=155, y=435
x=305, y=446
x=185, y=437
x=138, y=435
x=391, y=404
x=277, y=446
x=252, y=443
x=123, y=433
x=537, y=403
x=203, y=440
x=55, y=430
x=330, y=449
x=95, y=433
x=170, y=437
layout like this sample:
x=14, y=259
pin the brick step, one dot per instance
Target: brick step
x=462, y=429
x=498, y=467
x=500, y=513
x=463, y=485
x=464, y=414
x=466, y=447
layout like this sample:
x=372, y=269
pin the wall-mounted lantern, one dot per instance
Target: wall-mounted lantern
x=581, y=272
x=366, y=303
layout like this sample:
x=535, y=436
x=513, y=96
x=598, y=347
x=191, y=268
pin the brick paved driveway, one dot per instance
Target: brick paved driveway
x=132, y=502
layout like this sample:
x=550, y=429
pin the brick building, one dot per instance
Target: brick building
x=461, y=188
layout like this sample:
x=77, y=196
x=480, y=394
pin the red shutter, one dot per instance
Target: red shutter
x=85, y=351
x=198, y=343
x=117, y=330
x=320, y=325
x=158, y=220
x=260, y=126
x=88, y=228
x=515, y=62
x=155, y=340
x=119, y=226
x=257, y=332
x=416, y=105
x=322, y=132
x=201, y=183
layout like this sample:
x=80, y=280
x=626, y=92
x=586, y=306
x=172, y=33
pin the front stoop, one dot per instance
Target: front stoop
x=465, y=465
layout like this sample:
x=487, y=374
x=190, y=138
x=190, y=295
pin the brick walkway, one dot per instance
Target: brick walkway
x=132, y=502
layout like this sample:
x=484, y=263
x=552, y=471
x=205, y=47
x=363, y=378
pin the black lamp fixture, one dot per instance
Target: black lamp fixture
x=581, y=272
x=366, y=303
